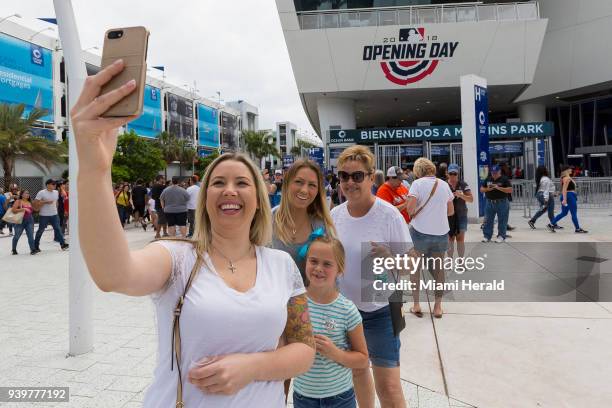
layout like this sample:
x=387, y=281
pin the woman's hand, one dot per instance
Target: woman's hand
x=326, y=347
x=225, y=375
x=96, y=137
x=379, y=250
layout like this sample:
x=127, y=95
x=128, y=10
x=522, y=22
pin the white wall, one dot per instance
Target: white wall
x=577, y=49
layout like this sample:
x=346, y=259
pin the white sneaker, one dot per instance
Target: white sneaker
x=500, y=240
x=484, y=240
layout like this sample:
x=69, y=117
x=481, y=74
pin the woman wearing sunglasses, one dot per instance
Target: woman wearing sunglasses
x=365, y=222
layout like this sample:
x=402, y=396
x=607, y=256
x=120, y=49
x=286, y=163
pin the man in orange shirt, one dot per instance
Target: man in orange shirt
x=394, y=191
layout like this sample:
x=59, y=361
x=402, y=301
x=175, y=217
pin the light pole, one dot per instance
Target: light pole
x=80, y=291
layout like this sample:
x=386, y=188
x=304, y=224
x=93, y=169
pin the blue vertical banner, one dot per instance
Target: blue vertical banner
x=208, y=126
x=316, y=155
x=26, y=75
x=481, y=108
x=541, y=152
x=149, y=124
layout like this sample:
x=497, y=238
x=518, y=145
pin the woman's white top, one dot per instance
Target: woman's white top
x=218, y=320
x=547, y=187
x=433, y=219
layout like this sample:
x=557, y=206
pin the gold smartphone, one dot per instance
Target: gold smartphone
x=130, y=45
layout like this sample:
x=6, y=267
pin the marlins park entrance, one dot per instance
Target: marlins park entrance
x=518, y=145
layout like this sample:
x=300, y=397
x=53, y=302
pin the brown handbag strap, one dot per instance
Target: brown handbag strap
x=433, y=191
x=176, y=332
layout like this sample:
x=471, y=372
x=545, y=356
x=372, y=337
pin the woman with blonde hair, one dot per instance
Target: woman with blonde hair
x=303, y=214
x=569, y=201
x=223, y=300
x=430, y=203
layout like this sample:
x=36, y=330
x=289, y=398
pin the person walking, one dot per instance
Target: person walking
x=569, y=201
x=11, y=196
x=496, y=188
x=139, y=202
x=394, y=192
x=3, y=208
x=379, y=180
x=365, y=219
x=546, y=197
x=430, y=203
x=458, y=222
x=156, y=191
x=245, y=295
x=123, y=201
x=48, y=215
x=174, y=201
x=193, y=190
x=23, y=204
x=341, y=345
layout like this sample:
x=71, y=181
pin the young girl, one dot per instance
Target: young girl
x=151, y=211
x=336, y=323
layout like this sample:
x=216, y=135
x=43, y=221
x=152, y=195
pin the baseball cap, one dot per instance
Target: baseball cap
x=50, y=181
x=278, y=171
x=394, y=171
x=495, y=169
x=453, y=168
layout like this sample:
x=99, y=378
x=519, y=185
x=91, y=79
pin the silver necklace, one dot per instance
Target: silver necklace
x=231, y=266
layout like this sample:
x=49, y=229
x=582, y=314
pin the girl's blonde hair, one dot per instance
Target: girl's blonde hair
x=261, y=226
x=337, y=249
x=424, y=167
x=284, y=222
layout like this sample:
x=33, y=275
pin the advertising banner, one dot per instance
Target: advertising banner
x=149, y=124
x=411, y=151
x=541, y=152
x=180, y=116
x=506, y=148
x=483, y=158
x=287, y=161
x=208, y=126
x=229, y=123
x=440, y=150
x=26, y=75
x=316, y=155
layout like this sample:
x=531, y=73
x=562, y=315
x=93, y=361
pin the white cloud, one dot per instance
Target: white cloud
x=233, y=46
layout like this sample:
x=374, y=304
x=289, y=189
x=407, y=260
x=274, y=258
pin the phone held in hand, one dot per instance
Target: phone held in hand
x=130, y=45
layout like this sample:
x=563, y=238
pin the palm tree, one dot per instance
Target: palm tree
x=258, y=145
x=170, y=147
x=16, y=140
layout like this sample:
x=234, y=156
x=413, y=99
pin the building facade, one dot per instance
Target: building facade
x=377, y=66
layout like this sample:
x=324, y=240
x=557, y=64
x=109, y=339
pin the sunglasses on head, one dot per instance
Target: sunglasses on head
x=357, y=176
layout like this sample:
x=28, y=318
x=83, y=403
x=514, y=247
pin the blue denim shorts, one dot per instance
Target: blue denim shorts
x=383, y=345
x=429, y=244
x=345, y=399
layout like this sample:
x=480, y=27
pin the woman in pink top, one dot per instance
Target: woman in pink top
x=23, y=204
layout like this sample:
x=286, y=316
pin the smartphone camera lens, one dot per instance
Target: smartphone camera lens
x=115, y=34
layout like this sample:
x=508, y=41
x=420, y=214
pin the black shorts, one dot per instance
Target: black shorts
x=161, y=217
x=179, y=219
x=140, y=209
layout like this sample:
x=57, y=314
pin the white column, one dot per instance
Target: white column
x=80, y=283
x=335, y=112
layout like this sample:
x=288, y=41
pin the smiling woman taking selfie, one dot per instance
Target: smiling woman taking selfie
x=223, y=300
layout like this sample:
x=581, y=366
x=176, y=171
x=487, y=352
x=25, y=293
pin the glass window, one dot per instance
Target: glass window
x=449, y=15
x=466, y=14
x=427, y=16
x=387, y=17
x=506, y=11
x=349, y=20
x=368, y=18
x=487, y=13
x=527, y=11
x=330, y=20
x=404, y=17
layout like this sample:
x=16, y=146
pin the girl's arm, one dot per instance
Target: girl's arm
x=566, y=181
x=356, y=357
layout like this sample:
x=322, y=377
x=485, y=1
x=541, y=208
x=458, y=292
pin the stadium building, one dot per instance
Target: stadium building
x=386, y=73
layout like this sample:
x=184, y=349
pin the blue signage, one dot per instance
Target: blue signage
x=205, y=152
x=334, y=152
x=149, y=124
x=44, y=133
x=506, y=148
x=316, y=155
x=541, y=152
x=483, y=158
x=287, y=161
x=26, y=75
x=208, y=126
x=440, y=150
x=411, y=150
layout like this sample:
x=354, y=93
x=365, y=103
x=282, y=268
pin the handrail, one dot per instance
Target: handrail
x=387, y=8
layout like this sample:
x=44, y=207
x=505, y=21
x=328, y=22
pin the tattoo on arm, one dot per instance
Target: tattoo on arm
x=299, y=328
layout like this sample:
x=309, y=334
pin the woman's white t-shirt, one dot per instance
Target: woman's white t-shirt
x=433, y=219
x=217, y=320
x=382, y=224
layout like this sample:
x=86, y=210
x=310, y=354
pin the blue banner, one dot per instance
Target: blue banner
x=149, y=124
x=334, y=152
x=316, y=155
x=287, y=161
x=541, y=152
x=440, y=150
x=208, y=126
x=483, y=159
x=411, y=151
x=26, y=75
x=44, y=133
x=506, y=148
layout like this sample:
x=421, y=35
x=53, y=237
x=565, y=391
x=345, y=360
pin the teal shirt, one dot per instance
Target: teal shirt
x=327, y=378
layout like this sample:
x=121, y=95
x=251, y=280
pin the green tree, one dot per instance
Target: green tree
x=170, y=148
x=135, y=158
x=259, y=144
x=187, y=155
x=203, y=162
x=16, y=140
x=300, y=146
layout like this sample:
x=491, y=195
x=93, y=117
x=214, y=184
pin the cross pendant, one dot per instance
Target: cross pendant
x=232, y=267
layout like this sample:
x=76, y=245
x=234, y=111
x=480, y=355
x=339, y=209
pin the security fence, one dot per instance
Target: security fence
x=593, y=192
x=32, y=184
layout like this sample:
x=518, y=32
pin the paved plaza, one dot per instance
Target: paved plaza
x=480, y=354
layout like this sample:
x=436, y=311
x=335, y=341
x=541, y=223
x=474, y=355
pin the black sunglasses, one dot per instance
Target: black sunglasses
x=357, y=176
